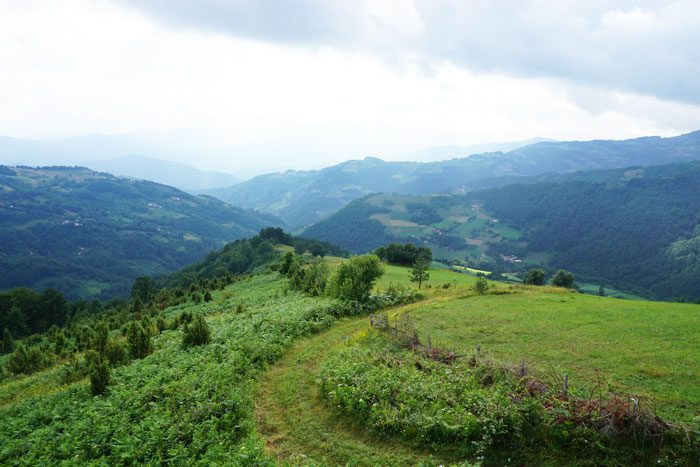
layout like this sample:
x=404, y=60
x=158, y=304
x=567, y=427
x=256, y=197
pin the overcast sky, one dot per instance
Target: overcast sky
x=242, y=85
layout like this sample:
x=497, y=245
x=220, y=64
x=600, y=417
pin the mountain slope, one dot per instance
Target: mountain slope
x=304, y=197
x=182, y=176
x=90, y=234
x=636, y=229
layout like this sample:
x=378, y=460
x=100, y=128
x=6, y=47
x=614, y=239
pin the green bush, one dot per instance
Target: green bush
x=99, y=376
x=534, y=277
x=139, y=340
x=563, y=278
x=354, y=279
x=481, y=285
x=196, y=333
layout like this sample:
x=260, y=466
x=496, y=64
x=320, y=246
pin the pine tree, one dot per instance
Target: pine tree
x=8, y=344
x=99, y=376
x=196, y=333
x=139, y=341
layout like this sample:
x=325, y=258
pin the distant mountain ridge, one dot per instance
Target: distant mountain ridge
x=130, y=155
x=89, y=234
x=182, y=176
x=302, y=198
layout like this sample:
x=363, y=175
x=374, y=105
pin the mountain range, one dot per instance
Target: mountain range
x=128, y=155
x=302, y=198
x=637, y=229
x=89, y=234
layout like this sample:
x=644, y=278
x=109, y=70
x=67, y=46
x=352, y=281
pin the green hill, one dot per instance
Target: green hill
x=89, y=234
x=634, y=229
x=288, y=378
x=302, y=198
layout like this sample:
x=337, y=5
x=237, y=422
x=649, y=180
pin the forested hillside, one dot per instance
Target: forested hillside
x=89, y=234
x=635, y=229
x=302, y=198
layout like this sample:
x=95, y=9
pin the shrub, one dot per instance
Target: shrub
x=8, y=344
x=139, y=341
x=563, y=278
x=354, y=279
x=196, y=333
x=481, y=285
x=115, y=353
x=534, y=277
x=99, y=375
x=207, y=296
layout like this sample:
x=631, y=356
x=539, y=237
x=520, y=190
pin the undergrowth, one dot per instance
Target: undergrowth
x=491, y=413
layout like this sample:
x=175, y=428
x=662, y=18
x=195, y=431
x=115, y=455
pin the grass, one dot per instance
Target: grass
x=647, y=349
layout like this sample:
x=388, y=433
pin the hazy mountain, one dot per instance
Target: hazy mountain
x=304, y=197
x=441, y=153
x=636, y=228
x=181, y=176
x=116, y=154
x=90, y=234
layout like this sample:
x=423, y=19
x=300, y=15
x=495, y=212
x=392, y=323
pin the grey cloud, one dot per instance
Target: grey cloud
x=643, y=46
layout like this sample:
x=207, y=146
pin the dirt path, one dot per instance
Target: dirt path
x=297, y=425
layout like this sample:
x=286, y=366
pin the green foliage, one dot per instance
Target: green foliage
x=8, y=344
x=23, y=361
x=196, y=333
x=315, y=279
x=481, y=285
x=144, y=289
x=24, y=311
x=563, y=278
x=353, y=280
x=99, y=375
x=483, y=412
x=420, y=271
x=403, y=254
x=534, y=277
x=184, y=406
x=139, y=340
x=115, y=353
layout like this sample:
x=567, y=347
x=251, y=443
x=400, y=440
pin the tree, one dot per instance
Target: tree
x=139, y=340
x=196, y=333
x=419, y=272
x=354, y=278
x=534, y=277
x=563, y=278
x=481, y=285
x=7, y=343
x=99, y=375
x=144, y=288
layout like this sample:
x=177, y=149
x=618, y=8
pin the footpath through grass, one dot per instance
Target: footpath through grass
x=648, y=349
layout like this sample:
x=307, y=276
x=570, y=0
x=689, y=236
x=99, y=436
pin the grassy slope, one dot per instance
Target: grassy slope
x=647, y=348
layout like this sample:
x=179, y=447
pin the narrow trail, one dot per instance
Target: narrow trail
x=297, y=425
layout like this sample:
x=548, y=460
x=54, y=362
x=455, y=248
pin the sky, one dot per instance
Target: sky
x=250, y=86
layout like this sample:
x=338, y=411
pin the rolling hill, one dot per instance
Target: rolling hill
x=634, y=229
x=89, y=234
x=288, y=378
x=302, y=198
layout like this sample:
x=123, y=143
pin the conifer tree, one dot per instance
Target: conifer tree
x=8, y=344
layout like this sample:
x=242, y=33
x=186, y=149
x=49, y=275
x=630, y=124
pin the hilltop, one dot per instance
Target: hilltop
x=302, y=198
x=89, y=234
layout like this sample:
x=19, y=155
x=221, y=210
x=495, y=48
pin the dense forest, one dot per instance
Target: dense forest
x=640, y=235
x=89, y=234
